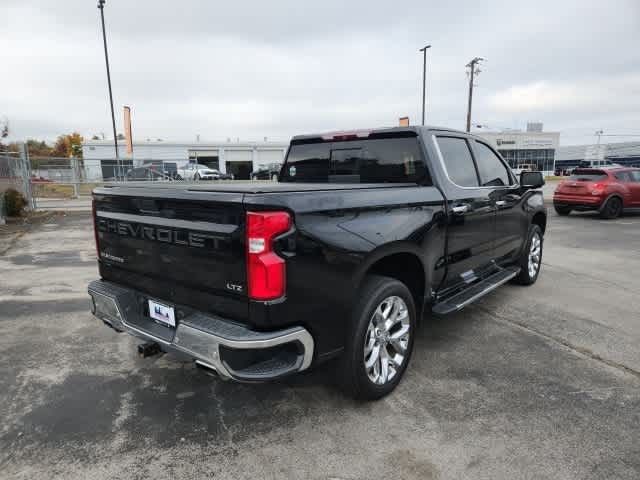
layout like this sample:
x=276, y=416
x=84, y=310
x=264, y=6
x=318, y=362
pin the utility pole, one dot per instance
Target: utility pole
x=472, y=73
x=599, y=134
x=424, y=79
x=106, y=59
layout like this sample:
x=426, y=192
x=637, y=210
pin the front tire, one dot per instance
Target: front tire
x=380, y=339
x=612, y=209
x=531, y=258
x=562, y=211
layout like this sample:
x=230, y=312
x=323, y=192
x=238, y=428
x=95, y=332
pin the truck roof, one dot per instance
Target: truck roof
x=364, y=132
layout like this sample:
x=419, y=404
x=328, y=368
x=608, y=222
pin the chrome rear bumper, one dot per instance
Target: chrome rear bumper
x=232, y=350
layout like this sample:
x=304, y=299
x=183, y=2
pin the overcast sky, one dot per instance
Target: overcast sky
x=273, y=68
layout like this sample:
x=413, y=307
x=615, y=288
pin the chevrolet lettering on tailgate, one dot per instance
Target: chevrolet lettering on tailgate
x=158, y=234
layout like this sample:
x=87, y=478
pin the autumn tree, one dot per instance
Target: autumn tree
x=4, y=131
x=68, y=146
x=38, y=148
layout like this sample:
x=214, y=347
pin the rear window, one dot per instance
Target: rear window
x=588, y=176
x=381, y=160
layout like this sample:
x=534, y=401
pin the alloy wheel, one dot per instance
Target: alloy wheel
x=387, y=340
x=535, y=254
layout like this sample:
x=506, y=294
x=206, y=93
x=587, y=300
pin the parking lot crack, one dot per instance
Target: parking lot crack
x=560, y=341
x=591, y=277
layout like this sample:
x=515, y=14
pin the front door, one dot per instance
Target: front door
x=471, y=214
x=510, y=226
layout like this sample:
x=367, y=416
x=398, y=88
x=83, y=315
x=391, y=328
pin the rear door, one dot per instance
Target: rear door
x=510, y=228
x=471, y=219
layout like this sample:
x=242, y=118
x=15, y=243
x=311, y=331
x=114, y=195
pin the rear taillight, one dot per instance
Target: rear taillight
x=95, y=225
x=266, y=271
x=596, y=188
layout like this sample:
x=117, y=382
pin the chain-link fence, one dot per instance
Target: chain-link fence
x=56, y=179
x=14, y=174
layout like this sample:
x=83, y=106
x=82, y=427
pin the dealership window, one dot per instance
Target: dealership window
x=541, y=158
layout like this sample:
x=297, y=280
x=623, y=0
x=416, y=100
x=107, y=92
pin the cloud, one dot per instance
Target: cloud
x=608, y=94
x=250, y=69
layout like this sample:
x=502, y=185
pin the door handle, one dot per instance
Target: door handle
x=460, y=209
x=501, y=203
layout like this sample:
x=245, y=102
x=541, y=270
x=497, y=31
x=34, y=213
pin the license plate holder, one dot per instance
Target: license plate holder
x=163, y=314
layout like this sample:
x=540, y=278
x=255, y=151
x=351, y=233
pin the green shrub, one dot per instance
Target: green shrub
x=14, y=203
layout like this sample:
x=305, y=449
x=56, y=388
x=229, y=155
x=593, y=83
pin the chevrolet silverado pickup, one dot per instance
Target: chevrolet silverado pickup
x=364, y=233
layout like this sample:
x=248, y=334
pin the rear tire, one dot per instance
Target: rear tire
x=562, y=211
x=530, y=261
x=378, y=346
x=612, y=209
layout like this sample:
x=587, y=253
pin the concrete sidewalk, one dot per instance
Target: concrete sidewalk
x=64, y=204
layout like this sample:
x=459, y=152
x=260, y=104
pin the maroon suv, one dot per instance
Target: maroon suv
x=609, y=191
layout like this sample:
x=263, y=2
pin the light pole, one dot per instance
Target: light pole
x=424, y=78
x=106, y=59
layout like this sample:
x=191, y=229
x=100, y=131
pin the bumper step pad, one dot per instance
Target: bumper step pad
x=207, y=338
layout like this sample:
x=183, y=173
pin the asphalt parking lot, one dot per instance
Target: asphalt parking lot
x=539, y=382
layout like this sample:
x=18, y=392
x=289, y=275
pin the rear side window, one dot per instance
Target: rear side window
x=493, y=173
x=635, y=175
x=623, y=176
x=383, y=160
x=458, y=161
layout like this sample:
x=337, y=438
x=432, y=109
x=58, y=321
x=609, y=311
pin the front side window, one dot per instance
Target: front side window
x=458, y=161
x=493, y=173
x=635, y=175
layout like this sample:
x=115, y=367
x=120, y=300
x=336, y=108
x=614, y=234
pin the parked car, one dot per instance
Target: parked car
x=597, y=164
x=194, y=171
x=364, y=233
x=211, y=174
x=610, y=191
x=524, y=167
x=562, y=172
x=267, y=172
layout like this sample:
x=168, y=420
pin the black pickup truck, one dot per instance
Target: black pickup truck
x=364, y=233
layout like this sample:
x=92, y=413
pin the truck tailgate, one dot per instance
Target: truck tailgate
x=188, y=251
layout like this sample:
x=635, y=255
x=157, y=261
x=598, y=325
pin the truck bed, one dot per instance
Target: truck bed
x=248, y=187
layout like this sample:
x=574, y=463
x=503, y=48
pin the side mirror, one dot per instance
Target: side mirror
x=530, y=180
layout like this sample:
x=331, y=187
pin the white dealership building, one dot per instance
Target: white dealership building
x=239, y=158
x=531, y=147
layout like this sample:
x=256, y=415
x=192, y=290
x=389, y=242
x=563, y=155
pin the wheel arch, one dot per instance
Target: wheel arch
x=402, y=263
x=540, y=219
x=617, y=195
